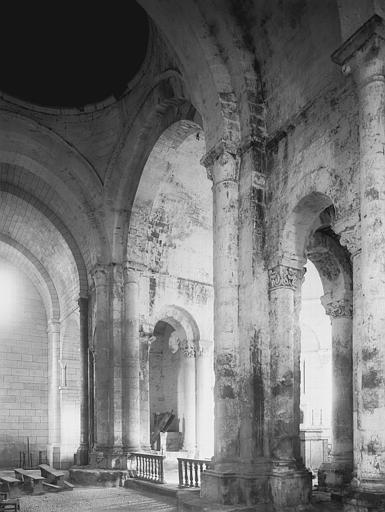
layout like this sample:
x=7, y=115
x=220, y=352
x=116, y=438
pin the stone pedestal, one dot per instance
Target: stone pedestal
x=290, y=488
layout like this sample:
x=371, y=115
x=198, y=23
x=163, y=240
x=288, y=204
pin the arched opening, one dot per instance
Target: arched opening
x=172, y=389
x=24, y=426
x=304, y=400
x=170, y=241
x=45, y=274
x=316, y=376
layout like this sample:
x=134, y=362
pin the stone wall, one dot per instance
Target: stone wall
x=23, y=371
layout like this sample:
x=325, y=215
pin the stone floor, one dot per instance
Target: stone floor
x=98, y=499
x=118, y=499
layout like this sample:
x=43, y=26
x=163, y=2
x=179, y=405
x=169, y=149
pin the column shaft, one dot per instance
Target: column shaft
x=225, y=226
x=131, y=363
x=103, y=379
x=371, y=83
x=53, y=392
x=84, y=411
x=285, y=430
x=189, y=395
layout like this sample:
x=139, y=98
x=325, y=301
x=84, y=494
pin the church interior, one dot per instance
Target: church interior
x=192, y=249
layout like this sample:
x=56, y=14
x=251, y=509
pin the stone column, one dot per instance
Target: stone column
x=144, y=387
x=339, y=472
x=53, y=393
x=221, y=483
x=364, y=55
x=289, y=482
x=205, y=399
x=103, y=373
x=223, y=169
x=130, y=362
x=188, y=352
x=83, y=450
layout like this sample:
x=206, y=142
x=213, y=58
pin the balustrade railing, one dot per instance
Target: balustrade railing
x=149, y=467
x=190, y=471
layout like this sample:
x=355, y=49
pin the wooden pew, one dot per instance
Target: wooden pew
x=52, y=475
x=55, y=479
x=32, y=482
x=10, y=485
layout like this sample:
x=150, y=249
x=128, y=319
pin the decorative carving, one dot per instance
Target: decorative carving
x=284, y=277
x=100, y=274
x=188, y=348
x=349, y=230
x=339, y=308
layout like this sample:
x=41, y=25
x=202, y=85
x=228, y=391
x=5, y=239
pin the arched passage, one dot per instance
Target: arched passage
x=170, y=242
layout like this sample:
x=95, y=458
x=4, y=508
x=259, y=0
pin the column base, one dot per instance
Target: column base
x=243, y=484
x=53, y=455
x=108, y=458
x=290, y=488
x=364, y=501
x=82, y=456
x=334, y=475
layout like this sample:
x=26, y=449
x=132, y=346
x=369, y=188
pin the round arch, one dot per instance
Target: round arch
x=17, y=255
x=178, y=317
x=149, y=186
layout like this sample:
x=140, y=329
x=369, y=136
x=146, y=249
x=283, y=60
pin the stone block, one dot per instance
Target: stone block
x=290, y=489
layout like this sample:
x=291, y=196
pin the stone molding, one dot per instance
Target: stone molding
x=373, y=29
x=342, y=308
x=281, y=276
x=225, y=149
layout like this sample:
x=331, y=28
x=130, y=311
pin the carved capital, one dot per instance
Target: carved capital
x=100, y=274
x=222, y=162
x=188, y=348
x=339, y=308
x=285, y=277
x=350, y=234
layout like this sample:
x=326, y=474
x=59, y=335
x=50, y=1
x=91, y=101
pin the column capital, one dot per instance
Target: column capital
x=337, y=308
x=226, y=153
x=53, y=325
x=349, y=231
x=227, y=150
x=131, y=272
x=282, y=276
x=367, y=41
x=188, y=348
x=100, y=274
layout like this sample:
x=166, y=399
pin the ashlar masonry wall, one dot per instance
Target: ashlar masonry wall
x=23, y=367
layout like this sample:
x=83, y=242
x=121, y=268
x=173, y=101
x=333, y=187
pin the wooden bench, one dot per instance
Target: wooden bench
x=10, y=485
x=52, y=475
x=32, y=482
x=9, y=503
x=55, y=479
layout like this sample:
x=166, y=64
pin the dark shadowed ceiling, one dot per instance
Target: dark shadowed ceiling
x=62, y=54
